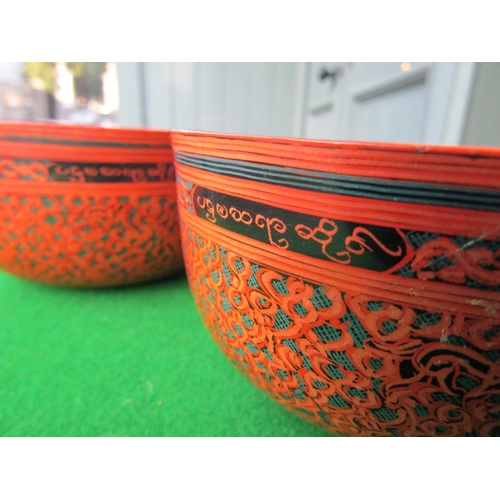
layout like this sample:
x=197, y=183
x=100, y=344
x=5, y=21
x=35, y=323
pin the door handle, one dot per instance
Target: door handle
x=331, y=74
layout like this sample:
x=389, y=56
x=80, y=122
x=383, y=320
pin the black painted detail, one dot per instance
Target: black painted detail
x=360, y=245
x=85, y=143
x=115, y=172
x=356, y=186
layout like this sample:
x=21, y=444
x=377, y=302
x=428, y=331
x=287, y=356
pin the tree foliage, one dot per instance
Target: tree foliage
x=87, y=77
x=88, y=82
x=42, y=75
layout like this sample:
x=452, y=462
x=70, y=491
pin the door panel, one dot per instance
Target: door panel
x=324, y=101
x=393, y=102
x=321, y=121
x=395, y=116
x=372, y=73
x=323, y=82
x=386, y=102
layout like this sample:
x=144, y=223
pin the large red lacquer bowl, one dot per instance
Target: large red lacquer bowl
x=357, y=283
x=87, y=206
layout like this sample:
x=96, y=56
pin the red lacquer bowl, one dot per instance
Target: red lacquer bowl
x=357, y=283
x=87, y=206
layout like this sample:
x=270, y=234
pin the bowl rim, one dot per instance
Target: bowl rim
x=353, y=145
x=94, y=133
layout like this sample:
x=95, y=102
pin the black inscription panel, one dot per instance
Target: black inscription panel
x=95, y=172
x=360, y=245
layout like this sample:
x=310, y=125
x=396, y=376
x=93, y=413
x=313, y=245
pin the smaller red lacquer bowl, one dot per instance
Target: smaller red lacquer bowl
x=87, y=206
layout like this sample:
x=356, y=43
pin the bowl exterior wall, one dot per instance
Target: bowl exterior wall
x=87, y=207
x=344, y=283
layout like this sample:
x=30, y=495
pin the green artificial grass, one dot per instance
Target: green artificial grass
x=131, y=361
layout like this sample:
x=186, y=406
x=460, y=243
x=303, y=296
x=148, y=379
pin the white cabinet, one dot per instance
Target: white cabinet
x=389, y=102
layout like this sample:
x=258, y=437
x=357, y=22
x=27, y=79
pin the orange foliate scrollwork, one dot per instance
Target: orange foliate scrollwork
x=34, y=171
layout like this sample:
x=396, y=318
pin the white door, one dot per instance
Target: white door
x=414, y=102
x=325, y=104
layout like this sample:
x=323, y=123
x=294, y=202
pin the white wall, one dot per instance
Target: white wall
x=131, y=112
x=11, y=70
x=482, y=126
x=275, y=99
x=246, y=98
